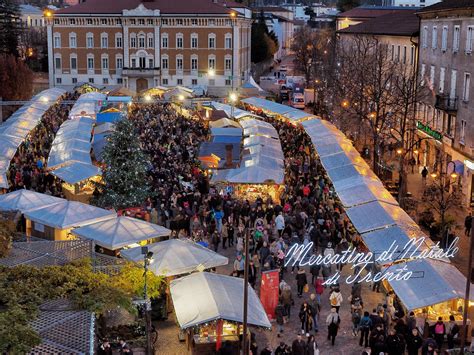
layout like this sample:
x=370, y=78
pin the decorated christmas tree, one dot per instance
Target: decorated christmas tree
x=125, y=180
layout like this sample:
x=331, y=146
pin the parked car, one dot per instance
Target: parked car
x=297, y=101
x=284, y=93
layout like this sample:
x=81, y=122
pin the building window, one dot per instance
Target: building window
x=57, y=63
x=212, y=63
x=194, y=64
x=398, y=54
x=73, y=63
x=141, y=41
x=442, y=74
x=133, y=42
x=422, y=74
x=164, y=40
x=134, y=63
x=179, y=81
x=105, y=80
x=469, y=38
x=456, y=38
x=444, y=39
x=164, y=81
x=119, y=81
x=227, y=82
x=194, y=40
x=452, y=92
x=74, y=80
x=425, y=37
x=150, y=63
x=105, y=63
x=404, y=54
x=179, y=63
x=104, y=40
x=466, y=86
x=90, y=63
x=118, y=41
x=151, y=43
x=57, y=41
x=463, y=131
x=194, y=82
x=393, y=52
x=142, y=62
x=434, y=37
x=228, y=42
x=212, y=41
x=164, y=63
x=179, y=40
x=59, y=80
x=91, y=80
x=228, y=64
x=90, y=40
x=72, y=40
x=412, y=55
x=119, y=63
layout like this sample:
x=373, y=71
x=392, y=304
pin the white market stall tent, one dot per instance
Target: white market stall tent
x=288, y=113
x=120, y=232
x=15, y=130
x=25, y=200
x=87, y=105
x=177, y=257
x=56, y=221
x=235, y=112
x=76, y=172
x=205, y=297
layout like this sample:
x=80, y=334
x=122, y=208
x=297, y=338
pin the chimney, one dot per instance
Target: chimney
x=228, y=156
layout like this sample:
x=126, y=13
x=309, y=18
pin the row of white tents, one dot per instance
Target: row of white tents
x=14, y=131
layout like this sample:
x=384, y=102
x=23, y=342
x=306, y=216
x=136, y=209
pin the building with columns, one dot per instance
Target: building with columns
x=145, y=43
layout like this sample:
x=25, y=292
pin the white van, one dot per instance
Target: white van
x=297, y=101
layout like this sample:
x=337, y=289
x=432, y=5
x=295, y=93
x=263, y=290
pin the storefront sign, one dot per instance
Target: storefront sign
x=412, y=250
x=269, y=292
x=431, y=132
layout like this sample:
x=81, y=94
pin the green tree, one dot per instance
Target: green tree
x=346, y=5
x=125, y=179
x=264, y=42
x=9, y=27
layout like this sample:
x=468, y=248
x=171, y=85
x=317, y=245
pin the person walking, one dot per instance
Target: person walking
x=315, y=308
x=286, y=298
x=280, y=223
x=252, y=274
x=333, y=321
x=414, y=342
x=239, y=266
x=468, y=224
x=306, y=318
x=335, y=299
x=439, y=332
x=301, y=281
x=298, y=346
x=452, y=330
x=215, y=240
x=365, y=325
x=395, y=343
x=280, y=314
x=312, y=346
x=319, y=288
x=424, y=174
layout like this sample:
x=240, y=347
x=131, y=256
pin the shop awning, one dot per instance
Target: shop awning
x=376, y=215
x=261, y=140
x=25, y=200
x=224, y=123
x=226, y=132
x=119, y=232
x=432, y=282
x=364, y=191
x=261, y=131
x=76, y=172
x=205, y=297
x=177, y=257
x=69, y=214
x=288, y=112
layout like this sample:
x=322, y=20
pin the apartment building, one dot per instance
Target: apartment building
x=144, y=43
x=446, y=66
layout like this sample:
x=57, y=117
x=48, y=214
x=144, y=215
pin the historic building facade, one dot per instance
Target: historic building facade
x=145, y=43
x=446, y=118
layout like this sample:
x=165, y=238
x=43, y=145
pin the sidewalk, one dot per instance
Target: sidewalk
x=415, y=186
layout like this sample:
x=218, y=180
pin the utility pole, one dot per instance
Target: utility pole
x=245, y=346
x=467, y=294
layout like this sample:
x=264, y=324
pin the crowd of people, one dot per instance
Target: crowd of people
x=28, y=167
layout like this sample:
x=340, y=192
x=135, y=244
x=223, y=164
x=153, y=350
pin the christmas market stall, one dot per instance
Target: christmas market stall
x=436, y=289
x=19, y=125
x=78, y=180
x=88, y=105
x=209, y=308
x=114, y=234
x=55, y=222
x=279, y=111
x=25, y=200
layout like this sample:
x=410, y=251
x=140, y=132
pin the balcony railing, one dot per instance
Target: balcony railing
x=141, y=71
x=446, y=103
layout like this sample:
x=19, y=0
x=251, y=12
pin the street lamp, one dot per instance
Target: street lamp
x=233, y=97
x=399, y=151
x=211, y=72
x=345, y=103
x=147, y=257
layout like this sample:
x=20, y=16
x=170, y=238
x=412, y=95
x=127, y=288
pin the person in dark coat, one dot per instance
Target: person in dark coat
x=280, y=314
x=311, y=346
x=301, y=281
x=306, y=318
x=332, y=321
x=252, y=274
x=414, y=342
x=395, y=343
x=299, y=346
